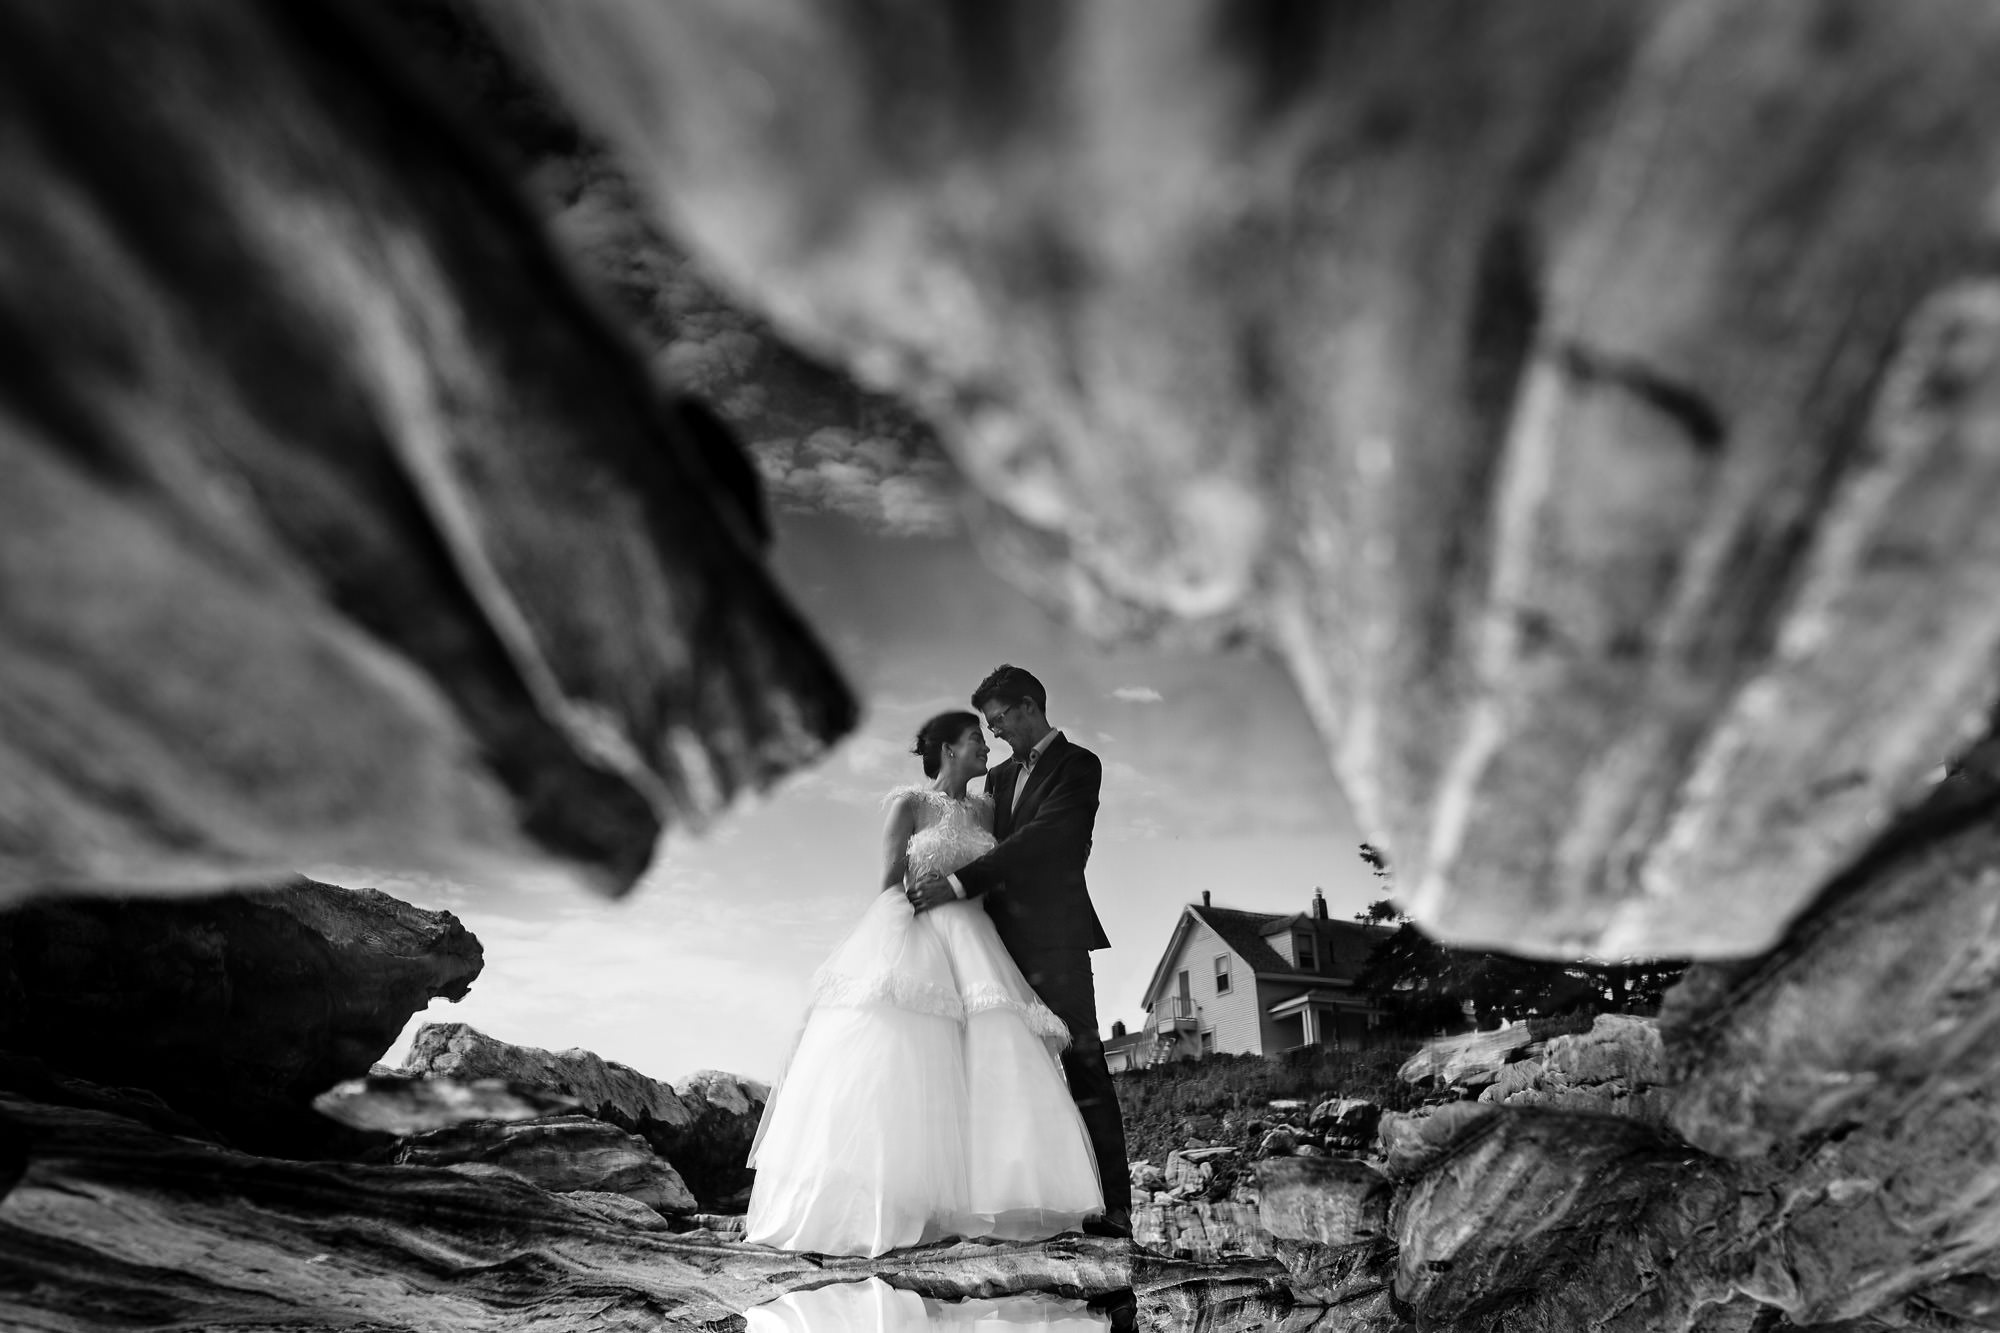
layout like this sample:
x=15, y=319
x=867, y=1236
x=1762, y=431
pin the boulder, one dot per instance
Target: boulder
x=1620, y=1048
x=1186, y=1176
x=1518, y=1077
x=1278, y=1143
x=1527, y=1195
x=1348, y=1119
x=602, y=1088
x=1329, y=1201
x=1204, y=1231
x=712, y=1152
x=1410, y=1140
x=1470, y=1060
x=560, y=1154
x=704, y=1129
x=236, y=1009
x=1146, y=1176
x=1616, y=1068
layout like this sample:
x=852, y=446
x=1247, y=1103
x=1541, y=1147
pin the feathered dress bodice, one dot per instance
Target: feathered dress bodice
x=951, y=832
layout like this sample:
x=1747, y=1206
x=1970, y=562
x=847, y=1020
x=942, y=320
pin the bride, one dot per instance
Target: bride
x=924, y=1098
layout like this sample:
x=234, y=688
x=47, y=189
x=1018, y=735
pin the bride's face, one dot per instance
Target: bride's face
x=970, y=750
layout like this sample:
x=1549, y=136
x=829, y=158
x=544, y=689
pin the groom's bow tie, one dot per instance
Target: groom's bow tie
x=1028, y=759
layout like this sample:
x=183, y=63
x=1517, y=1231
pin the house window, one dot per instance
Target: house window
x=1222, y=974
x=1208, y=1043
x=1302, y=949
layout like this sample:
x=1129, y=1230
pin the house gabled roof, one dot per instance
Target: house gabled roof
x=1343, y=946
x=1243, y=932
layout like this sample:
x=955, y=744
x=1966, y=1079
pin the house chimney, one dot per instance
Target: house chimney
x=1319, y=905
x=1204, y=898
x=1117, y=1030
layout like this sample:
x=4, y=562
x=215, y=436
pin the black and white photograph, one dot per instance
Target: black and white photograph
x=1061, y=666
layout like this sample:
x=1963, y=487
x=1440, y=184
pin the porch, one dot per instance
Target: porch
x=1323, y=1017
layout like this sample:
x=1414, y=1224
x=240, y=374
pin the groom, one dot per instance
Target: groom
x=1045, y=805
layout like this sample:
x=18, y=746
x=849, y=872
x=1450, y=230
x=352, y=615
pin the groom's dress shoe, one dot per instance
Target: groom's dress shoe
x=1116, y=1226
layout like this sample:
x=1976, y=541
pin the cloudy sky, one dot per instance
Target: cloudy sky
x=1214, y=780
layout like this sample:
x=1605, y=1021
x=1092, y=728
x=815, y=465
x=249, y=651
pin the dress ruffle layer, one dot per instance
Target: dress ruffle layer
x=924, y=1097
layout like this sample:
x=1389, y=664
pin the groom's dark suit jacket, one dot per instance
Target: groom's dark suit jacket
x=1033, y=881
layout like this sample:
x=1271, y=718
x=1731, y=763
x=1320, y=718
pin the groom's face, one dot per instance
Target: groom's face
x=1005, y=722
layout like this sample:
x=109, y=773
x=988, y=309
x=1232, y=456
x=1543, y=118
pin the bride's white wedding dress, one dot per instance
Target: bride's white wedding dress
x=924, y=1098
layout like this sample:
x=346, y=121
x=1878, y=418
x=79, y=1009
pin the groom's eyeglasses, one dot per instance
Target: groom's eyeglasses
x=993, y=720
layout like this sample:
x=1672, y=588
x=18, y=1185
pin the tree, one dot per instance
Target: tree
x=1422, y=985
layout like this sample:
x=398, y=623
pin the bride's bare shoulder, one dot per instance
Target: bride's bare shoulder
x=906, y=794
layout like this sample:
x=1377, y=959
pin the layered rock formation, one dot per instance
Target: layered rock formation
x=339, y=527
x=704, y=1127
x=562, y=1154
x=1625, y=529
x=1594, y=404
x=254, y=1241
x=236, y=1010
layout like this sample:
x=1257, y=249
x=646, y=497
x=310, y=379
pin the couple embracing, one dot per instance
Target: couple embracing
x=949, y=1080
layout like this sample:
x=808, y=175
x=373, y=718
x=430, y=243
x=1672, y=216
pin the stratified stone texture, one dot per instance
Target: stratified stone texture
x=704, y=1128
x=1594, y=404
x=85, y=1245
x=1329, y=1201
x=1200, y=1230
x=237, y=1010
x=562, y=1154
x=339, y=528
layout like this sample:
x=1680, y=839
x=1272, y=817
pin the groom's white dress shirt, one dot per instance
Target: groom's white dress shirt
x=1034, y=757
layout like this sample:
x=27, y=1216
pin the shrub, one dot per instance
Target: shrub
x=1222, y=1093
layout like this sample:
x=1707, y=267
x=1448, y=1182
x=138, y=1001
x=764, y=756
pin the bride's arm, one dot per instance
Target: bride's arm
x=896, y=831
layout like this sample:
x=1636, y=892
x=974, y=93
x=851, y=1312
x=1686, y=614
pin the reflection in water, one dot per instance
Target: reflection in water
x=873, y=1306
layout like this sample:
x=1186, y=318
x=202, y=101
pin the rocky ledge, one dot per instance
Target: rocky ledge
x=112, y=1224
x=234, y=1009
x=704, y=1125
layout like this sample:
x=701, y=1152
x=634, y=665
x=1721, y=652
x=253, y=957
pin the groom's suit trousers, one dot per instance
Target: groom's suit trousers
x=1062, y=978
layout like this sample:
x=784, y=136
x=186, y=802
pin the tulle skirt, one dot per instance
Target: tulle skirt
x=924, y=1098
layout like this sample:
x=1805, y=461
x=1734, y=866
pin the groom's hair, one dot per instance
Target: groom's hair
x=1010, y=684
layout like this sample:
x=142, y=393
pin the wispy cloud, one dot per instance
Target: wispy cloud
x=1138, y=694
x=887, y=483
x=874, y=757
x=821, y=444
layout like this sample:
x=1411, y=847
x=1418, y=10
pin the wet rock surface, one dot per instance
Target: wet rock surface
x=113, y=1224
x=561, y=1154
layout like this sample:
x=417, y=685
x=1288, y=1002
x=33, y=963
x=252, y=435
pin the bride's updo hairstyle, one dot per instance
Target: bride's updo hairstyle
x=939, y=732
